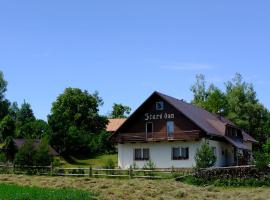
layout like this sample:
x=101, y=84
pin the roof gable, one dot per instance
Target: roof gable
x=211, y=123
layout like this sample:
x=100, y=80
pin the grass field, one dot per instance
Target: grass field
x=96, y=162
x=15, y=192
x=117, y=189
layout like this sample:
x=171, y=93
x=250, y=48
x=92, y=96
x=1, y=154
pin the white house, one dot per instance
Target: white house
x=168, y=131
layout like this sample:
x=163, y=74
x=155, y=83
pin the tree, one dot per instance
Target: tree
x=25, y=155
x=42, y=155
x=238, y=103
x=30, y=155
x=262, y=157
x=216, y=101
x=7, y=128
x=75, y=121
x=199, y=90
x=205, y=156
x=120, y=111
x=24, y=121
x=12, y=149
x=3, y=86
x=245, y=110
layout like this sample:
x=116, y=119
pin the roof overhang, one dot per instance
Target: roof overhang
x=238, y=144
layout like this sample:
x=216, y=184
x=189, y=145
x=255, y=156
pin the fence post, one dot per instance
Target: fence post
x=90, y=171
x=14, y=170
x=51, y=169
x=130, y=172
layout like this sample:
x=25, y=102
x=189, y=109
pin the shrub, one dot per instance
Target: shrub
x=29, y=155
x=205, y=156
x=25, y=155
x=261, y=160
x=3, y=158
x=150, y=165
x=42, y=156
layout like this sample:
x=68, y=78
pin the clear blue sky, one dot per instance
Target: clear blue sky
x=128, y=49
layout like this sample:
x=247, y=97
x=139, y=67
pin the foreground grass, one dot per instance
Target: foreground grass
x=139, y=188
x=15, y=192
x=96, y=162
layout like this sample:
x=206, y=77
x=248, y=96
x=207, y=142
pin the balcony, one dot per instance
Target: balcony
x=158, y=136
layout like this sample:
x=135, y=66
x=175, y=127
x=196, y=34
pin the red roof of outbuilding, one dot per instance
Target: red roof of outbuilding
x=114, y=124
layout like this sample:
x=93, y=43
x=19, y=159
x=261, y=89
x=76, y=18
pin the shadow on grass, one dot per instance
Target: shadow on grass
x=73, y=160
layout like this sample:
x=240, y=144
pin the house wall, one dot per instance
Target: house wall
x=224, y=153
x=161, y=154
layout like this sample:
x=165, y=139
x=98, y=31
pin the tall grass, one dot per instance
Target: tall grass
x=15, y=192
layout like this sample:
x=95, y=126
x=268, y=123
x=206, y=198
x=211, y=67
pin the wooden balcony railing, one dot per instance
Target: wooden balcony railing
x=158, y=136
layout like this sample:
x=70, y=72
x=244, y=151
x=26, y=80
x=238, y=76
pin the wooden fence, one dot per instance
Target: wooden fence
x=94, y=172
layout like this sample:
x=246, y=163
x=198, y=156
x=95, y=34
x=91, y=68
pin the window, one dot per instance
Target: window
x=141, y=154
x=180, y=153
x=170, y=128
x=149, y=127
x=214, y=150
x=159, y=105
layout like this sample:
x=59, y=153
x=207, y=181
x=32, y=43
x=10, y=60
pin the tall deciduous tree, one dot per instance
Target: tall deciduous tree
x=239, y=103
x=4, y=103
x=75, y=120
x=7, y=128
x=244, y=108
x=24, y=119
x=3, y=86
x=199, y=90
x=120, y=111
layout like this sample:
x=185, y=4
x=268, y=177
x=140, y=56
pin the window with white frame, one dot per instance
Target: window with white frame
x=141, y=154
x=180, y=153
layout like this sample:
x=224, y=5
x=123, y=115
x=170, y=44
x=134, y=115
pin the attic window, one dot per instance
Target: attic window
x=159, y=105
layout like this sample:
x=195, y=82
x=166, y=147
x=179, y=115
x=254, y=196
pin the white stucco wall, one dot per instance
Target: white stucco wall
x=225, y=153
x=161, y=154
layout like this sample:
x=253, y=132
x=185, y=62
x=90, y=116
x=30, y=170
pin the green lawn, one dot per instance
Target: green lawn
x=96, y=162
x=15, y=192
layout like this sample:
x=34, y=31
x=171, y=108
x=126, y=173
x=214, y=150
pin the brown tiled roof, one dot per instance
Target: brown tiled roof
x=209, y=122
x=19, y=142
x=114, y=124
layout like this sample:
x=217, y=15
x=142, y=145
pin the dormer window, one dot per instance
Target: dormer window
x=159, y=105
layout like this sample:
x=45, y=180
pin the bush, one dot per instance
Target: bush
x=29, y=155
x=42, y=156
x=261, y=160
x=25, y=155
x=3, y=158
x=205, y=156
x=150, y=165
